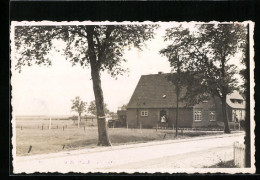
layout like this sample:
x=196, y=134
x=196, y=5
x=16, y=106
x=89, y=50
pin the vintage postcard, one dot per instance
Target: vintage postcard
x=146, y=97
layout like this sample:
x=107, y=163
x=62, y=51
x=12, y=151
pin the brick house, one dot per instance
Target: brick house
x=154, y=97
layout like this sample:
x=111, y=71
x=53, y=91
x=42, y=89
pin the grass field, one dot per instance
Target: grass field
x=65, y=135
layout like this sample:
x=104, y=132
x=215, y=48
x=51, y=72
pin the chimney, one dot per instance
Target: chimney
x=160, y=72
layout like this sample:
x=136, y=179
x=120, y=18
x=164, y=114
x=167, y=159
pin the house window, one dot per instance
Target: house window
x=212, y=116
x=144, y=113
x=235, y=101
x=197, y=116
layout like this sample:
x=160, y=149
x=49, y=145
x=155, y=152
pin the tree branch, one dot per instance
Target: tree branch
x=108, y=32
x=73, y=31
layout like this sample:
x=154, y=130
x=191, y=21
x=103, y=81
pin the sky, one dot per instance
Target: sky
x=40, y=90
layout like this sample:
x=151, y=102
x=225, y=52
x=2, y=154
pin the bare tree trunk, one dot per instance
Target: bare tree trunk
x=224, y=98
x=137, y=116
x=103, y=139
x=177, y=87
x=224, y=114
x=78, y=120
x=177, y=115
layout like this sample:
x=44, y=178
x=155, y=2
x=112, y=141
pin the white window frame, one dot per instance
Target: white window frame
x=211, y=113
x=197, y=115
x=144, y=113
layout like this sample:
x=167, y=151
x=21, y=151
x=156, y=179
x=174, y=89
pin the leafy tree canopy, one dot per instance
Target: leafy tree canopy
x=78, y=105
x=206, y=52
x=93, y=110
x=34, y=42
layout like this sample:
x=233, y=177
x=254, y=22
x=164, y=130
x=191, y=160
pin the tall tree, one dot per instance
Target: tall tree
x=99, y=46
x=214, y=48
x=220, y=43
x=210, y=48
x=177, y=56
x=78, y=106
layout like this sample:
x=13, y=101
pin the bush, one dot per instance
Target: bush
x=224, y=164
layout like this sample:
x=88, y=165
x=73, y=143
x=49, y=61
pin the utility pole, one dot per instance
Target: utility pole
x=50, y=123
x=247, y=119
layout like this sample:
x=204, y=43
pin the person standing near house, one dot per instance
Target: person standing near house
x=236, y=118
x=163, y=121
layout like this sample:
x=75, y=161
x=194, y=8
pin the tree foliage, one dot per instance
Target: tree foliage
x=215, y=46
x=92, y=109
x=109, y=42
x=206, y=53
x=78, y=105
x=181, y=55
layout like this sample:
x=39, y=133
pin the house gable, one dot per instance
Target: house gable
x=155, y=91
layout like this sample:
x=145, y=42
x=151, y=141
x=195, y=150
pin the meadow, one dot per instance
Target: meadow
x=64, y=135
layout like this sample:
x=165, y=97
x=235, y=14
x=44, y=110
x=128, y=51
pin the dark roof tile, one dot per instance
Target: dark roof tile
x=150, y=90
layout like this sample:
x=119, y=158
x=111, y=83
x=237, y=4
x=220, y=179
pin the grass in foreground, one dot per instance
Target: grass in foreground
x=56, y=139
x=222, y=164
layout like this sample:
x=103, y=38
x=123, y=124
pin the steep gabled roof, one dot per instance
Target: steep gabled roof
x=150, y=90
x=236, y=95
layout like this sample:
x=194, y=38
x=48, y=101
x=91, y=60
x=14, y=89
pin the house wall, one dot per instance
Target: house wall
x=185, y=117
x=240, y=113
x=131, y=118
x=206, y=108
x=153, y=118
x=149, y=121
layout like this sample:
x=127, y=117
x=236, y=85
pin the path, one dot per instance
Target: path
x=152, y=157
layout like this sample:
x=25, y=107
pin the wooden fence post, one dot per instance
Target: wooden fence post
x=141, y=127
x=50, y=124
x=42, y=126
x=234, y=151
x=30, y=148
x=84, y=128
x=239, y=154
x=164, y=136
x=63, y=127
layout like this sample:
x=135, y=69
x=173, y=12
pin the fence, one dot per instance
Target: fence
x=239, y=154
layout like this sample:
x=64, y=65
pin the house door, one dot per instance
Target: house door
x=162, y=113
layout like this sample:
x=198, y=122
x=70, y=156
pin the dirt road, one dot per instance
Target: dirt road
x=163, y=156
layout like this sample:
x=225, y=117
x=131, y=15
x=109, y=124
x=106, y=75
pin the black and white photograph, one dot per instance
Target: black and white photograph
x=145, y=97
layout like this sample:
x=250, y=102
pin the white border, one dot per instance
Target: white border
x=193, y=170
